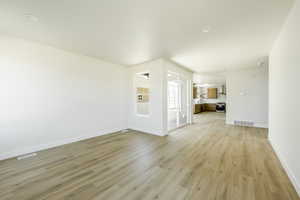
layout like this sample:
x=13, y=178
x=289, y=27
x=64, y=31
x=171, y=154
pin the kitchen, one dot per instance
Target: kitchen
x=209, y=98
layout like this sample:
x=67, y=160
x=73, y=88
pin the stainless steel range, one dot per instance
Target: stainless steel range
x=221, y=107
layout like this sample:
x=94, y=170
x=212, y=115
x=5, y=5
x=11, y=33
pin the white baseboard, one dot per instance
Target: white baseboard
x=286, y=167
x=27, y=150
x=261, y=125
x=156, y=133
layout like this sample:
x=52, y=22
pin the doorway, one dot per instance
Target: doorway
x=178, y=101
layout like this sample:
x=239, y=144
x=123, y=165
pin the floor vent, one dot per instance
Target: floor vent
x=26, y=156
x=243, y=123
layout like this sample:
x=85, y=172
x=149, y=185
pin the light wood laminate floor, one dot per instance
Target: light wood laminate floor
x=207, y=160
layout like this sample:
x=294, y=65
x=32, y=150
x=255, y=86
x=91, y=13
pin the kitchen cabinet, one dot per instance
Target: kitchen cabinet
x=205, y=107
x=210, y=107
x=212, y=93
x=195, y=92
x=198, y=108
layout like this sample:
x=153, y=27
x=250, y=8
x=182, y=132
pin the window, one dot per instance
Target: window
x=172, y=96
x=142, y=84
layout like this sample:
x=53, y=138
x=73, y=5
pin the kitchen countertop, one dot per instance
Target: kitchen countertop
x=211, y=101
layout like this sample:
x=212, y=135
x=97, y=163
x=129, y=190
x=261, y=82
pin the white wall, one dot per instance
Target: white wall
x=285, y=97
x=156, y=123
x=153, y=123
x=50, y=97
x=247, y=96
x=212, y=78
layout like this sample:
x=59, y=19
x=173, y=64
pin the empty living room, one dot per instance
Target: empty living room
x=141, y=100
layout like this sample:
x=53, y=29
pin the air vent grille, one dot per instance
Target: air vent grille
x=243, y=123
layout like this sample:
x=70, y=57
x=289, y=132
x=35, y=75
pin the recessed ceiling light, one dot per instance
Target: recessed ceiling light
x=31, y=17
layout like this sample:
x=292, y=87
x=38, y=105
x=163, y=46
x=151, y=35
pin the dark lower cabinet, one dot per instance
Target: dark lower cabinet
x=198, y=108
x=210, y=107
x=206, y=107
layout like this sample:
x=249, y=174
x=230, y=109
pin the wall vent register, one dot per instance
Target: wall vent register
x=243, y=123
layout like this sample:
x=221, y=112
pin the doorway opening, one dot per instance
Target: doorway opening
x=178, y=101
x=209, y=101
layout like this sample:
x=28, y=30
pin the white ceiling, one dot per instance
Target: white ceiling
x=133, y=31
